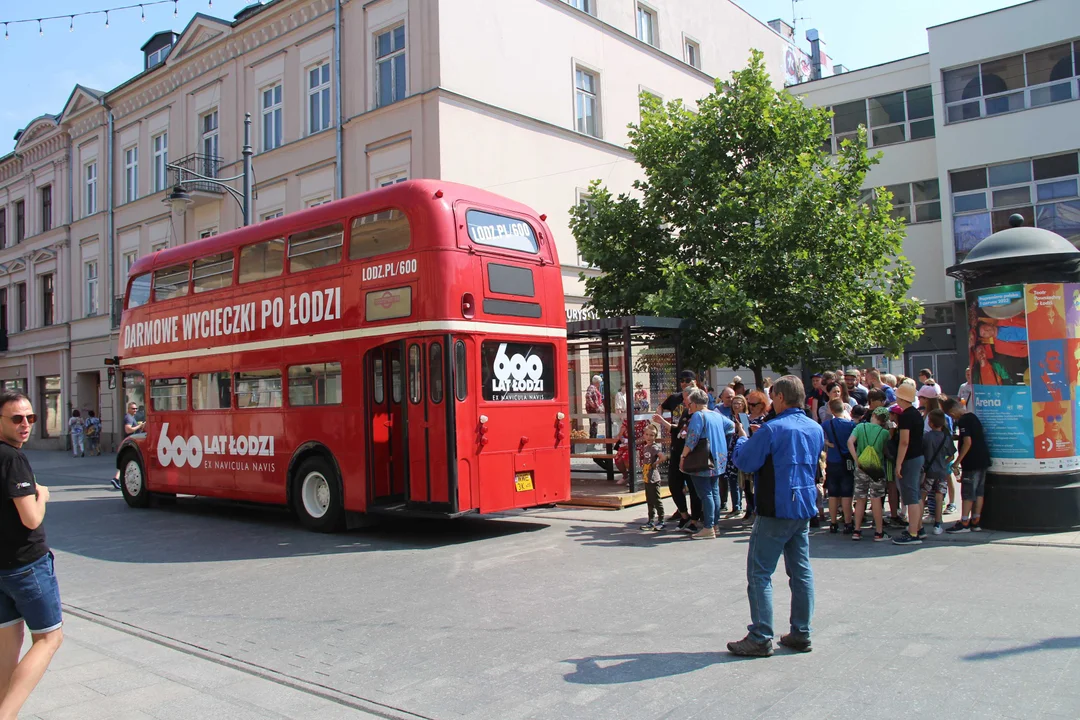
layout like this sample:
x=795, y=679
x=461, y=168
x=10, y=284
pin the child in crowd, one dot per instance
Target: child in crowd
x=938, y=450
x=652, y=455
x=867, y=445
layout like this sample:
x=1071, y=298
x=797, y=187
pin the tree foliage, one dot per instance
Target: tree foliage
x=745, y=226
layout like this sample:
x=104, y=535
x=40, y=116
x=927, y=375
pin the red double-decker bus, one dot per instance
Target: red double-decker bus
x=399, y=351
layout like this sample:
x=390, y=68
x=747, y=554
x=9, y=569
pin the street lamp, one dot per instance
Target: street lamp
x=179, y=198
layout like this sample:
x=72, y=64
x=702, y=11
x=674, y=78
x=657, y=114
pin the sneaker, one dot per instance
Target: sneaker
x=749, y=515
x=880, y=536
x=704, y=534
x=849, y=528
x=658, y=527
x=683, y=522
x=691, y=528
x=907, y=538
x=899, y=522
x=856, y=534
x=975, y=526
x=833, y=528
x=648, y=526
x=748, y=647
x=959, y=527
x=922, y=533
x=802, y=645
x=115, y=484
x=950, y=508
x=938, y=528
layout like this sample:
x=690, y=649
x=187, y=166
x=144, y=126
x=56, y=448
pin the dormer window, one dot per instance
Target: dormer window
x=158, y=56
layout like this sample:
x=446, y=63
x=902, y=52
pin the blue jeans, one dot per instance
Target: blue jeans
x=708, y=490
x=771, y=538
x=736, y=492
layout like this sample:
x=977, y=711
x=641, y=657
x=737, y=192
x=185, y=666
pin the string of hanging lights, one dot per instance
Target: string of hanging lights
x=70, y=17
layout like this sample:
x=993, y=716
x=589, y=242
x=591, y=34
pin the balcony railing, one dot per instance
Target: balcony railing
x=206, y=165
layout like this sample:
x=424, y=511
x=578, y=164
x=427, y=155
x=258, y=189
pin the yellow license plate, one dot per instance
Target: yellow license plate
x=523, y=481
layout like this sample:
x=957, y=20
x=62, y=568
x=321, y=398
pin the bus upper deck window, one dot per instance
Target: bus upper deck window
x=315, y=248
x=171, y=282
x=262, y=260
x=140, y=291
x=211, y=273
x=501, y=231
x=378, y=233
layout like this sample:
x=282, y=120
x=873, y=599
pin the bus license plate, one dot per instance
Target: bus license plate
x=523, y=481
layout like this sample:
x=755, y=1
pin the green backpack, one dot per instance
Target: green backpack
x=870, y=459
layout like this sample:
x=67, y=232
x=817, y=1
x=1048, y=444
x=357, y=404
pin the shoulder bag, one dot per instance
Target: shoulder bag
x=699, y=459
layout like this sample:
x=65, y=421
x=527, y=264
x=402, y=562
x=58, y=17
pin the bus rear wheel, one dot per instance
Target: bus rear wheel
x=133, y=482
x=317, y=496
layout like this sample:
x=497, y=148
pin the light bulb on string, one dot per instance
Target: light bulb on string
x=71, y=27
x=106, y=18
x=40, y=32
x=5, y=31
x=175, y=11
x=142, y=10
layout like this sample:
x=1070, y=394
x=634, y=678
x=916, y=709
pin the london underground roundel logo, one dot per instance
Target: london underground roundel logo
x=179, y=451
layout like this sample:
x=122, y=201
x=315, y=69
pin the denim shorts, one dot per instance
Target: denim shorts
x=31, y=594
x=910, y=481
x=839, y=481
x=973, y=484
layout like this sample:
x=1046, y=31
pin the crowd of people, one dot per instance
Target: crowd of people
x=885, y=438
x=85, y=433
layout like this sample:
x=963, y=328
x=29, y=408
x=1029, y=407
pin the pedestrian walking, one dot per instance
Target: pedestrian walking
x=711, y=429
x=29, y=593
x=75, y=430
x=784, y=453
x=93, y=433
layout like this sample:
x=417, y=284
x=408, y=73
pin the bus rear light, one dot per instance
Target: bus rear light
x=468, y=306
x=481, y=432
x=483, y=419
x=438, y=193
x=560, y=416
x=543, y=218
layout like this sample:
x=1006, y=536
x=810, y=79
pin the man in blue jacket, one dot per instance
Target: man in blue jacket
x=783, y=453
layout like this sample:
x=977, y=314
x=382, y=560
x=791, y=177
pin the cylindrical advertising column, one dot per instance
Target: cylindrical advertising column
x=1023, y=303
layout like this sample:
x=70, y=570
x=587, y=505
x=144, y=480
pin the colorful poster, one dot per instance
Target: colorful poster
x=1005, y=413
x=1045, y=311
x=1072, y=309
x=998, y=342
x=1053, y=429
x=1049, y=381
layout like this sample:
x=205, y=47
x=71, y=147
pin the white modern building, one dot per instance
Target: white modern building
x=984, y=125
x=527, y=98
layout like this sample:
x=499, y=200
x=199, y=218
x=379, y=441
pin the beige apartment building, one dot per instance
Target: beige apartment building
x=527, y=98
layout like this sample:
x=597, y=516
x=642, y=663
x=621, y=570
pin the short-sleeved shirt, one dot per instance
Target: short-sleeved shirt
x=650, y=455
x=859, y=394
x=912, y=421
x=129, y=420
x=19, y=545
x=978, y=457
x=837, y=431
x=964, y=393
x=674, y=405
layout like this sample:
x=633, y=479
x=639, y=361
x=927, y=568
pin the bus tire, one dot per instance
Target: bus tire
x=133, y=481
x=317, y=496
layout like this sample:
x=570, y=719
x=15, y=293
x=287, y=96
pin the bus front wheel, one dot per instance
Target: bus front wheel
x=317, y=496
x=133, y=482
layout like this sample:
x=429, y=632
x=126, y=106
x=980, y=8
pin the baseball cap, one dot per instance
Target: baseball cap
x=927, y=391
x=851, y=373
x=816, y=375
x=687, y=375
x=881, y=412
x=905, y=392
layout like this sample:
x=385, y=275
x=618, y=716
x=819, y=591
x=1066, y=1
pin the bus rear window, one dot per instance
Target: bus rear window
x=262, y=260
x=140, y=291
x=500, y=231
x=517, y=371
x=171, y=282
x=378, y=233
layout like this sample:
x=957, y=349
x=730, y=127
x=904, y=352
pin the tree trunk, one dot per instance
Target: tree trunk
x=759, y=381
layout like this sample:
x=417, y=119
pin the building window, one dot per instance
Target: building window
x=316, y=202
x=1044, y=191
x=916, y=202
x=20, y=221
x=390, y=66
x=273, y=214
x=90, y=200
x=46, y=208
x=693, y=54
x=90, y=273
x=3, y=227
x=208, y=124
x=271, y=118
x=1032, y=79
x=129, y=261
x=587, y=6
x=161, y=160
x=21, y=317
x=48, y=298
x=131, y=173
x=3, y=312
x=319, y=98
x=49, y=389
x=893, y=118
x=158, y=56
x=208, y=232
x=587, y=102
x=646, y=24
x=391, y=179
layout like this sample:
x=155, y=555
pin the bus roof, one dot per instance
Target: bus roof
x=411, y=195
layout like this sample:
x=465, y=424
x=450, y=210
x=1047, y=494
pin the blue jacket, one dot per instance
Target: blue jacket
x=784, y=455
x=716, y=428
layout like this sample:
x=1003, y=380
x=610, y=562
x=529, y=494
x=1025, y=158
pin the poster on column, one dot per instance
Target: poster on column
x=1025, y=361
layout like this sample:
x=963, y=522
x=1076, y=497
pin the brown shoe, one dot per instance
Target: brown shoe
x=748, y=647
x=704, y=534
x=802, y=645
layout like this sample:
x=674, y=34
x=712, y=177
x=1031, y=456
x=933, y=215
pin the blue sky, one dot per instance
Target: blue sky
x=857, y=33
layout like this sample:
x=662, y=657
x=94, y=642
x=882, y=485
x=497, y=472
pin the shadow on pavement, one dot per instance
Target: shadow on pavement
x=630, y=535
x=615, y=669
x=207, y=530
x=1057, y=643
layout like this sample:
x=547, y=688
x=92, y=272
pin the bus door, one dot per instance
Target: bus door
x=426, y=374
x=386, y=441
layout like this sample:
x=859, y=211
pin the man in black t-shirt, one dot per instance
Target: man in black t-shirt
x=908, y=451
x=29, y=594
x=678, y=481
x=973, y=456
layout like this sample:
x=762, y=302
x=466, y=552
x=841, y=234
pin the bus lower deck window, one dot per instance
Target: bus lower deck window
x=258, y=389
x=168, y=394
x=315, y=384
x=211, y=391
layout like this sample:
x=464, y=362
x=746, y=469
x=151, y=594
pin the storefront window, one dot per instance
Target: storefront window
x=50, y=403
x=18, y=386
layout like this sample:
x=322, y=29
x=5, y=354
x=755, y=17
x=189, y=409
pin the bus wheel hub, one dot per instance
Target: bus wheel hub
x=315, y=493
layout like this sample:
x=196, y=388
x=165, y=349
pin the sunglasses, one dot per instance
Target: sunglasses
x=1049, y=418
x=757, y=404
x=18, y=419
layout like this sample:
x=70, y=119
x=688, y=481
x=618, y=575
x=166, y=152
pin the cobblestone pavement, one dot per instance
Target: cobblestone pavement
x=234, y=611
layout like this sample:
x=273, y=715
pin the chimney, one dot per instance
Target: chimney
x=838, y=69
x=783, y=29
x=819, y=61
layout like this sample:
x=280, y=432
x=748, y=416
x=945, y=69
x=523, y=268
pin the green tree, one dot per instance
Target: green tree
x=745, y=226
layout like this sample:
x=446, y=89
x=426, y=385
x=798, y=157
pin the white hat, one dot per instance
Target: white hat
x=927, y=391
